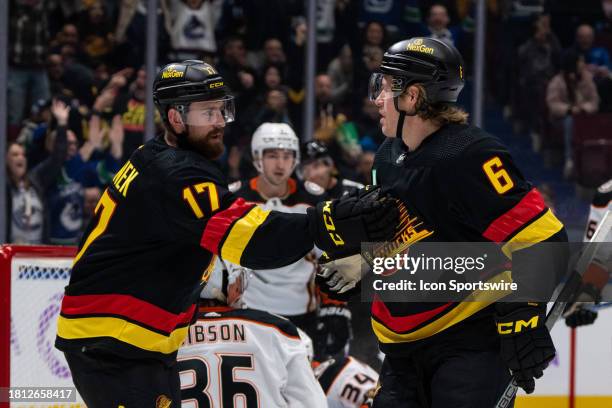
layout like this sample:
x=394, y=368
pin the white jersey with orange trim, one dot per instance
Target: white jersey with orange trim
x=598, y=272
x=289, y=290
x=246, y=358
x=600, y=204
x=347, y=382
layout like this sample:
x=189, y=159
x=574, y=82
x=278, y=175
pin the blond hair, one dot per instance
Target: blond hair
x=441, y=113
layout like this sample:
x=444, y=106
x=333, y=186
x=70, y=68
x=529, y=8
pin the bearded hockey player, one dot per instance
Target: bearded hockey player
x=167, y=213
x=232, y=353
x=318, y=167
x=457, y=183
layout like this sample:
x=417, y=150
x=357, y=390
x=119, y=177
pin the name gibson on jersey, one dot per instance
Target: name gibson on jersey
x=214, y=333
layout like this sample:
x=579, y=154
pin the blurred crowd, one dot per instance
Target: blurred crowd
x=76, y=98
x=557, y=67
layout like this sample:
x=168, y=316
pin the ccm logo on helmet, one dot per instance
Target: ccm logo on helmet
x=417, y=45
x=215, y=85
x=516, y=327
x=329, y=224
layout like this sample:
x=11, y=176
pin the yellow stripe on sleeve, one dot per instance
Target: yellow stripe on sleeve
x=540, y=230
x=241, y=233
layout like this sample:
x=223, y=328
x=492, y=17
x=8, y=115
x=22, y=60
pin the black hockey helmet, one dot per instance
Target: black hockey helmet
x=312, y=151
x=434, y=64
x=180, y=83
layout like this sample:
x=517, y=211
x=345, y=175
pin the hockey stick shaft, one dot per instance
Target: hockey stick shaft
x=571, y=286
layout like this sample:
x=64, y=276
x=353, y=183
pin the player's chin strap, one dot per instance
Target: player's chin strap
x=402, y=116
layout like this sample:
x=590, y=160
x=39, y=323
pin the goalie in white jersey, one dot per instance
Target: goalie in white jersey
x=242, y=358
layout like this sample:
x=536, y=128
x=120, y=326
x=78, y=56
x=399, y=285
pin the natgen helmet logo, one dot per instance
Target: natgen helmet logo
x=172, y=72
x=418, y=46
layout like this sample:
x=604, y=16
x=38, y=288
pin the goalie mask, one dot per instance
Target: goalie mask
x=273, y=136
x=226, y=284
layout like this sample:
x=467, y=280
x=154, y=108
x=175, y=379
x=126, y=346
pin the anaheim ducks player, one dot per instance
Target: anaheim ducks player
x=287, y=291
x=233, y=354
x=318, y=167
x=598, y=273
x=346, y=381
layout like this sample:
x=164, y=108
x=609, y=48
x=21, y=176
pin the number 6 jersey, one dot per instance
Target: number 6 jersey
x=460, y=185
x=244, y=358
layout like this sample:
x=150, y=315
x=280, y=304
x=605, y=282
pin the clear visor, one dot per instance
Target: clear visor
x=385, y=86
x=210, y=113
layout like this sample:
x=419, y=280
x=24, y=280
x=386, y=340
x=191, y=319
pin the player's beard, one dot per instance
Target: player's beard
x=210, y=145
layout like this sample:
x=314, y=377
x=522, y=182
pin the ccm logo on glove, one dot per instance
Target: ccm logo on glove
x=329, y=224
x=517, y=326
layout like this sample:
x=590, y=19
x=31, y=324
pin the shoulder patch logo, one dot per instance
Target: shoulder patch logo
x=313, y=188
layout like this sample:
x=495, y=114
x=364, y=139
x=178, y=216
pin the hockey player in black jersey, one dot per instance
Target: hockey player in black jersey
x=156, y=231
x=457, y=183
x=318, y=167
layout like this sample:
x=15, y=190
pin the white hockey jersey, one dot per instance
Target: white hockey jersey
x=600, y=204
x=289, y=290
x=346, y=382
x=242, y=358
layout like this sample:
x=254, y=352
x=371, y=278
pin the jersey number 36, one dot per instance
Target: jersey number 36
x=196, y=382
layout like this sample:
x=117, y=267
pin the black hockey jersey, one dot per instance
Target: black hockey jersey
x=459, y=185
x=140, y=265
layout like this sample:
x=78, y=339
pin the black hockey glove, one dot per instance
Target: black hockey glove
x=348, y=221
x=526, y=345
x=580, y=317
x=333, y=331
x=576, y=314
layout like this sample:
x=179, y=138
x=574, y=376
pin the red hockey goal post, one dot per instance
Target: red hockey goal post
x=32, y=281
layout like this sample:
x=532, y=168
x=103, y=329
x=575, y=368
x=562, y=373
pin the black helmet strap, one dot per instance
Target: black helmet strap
x=402, y=116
